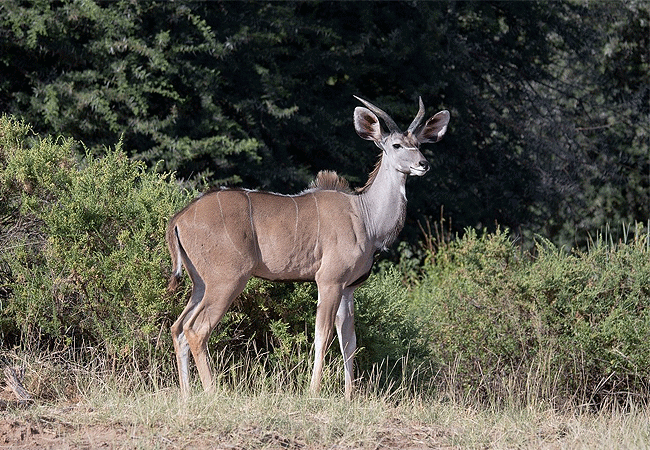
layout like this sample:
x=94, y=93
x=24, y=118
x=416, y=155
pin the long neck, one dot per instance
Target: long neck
x=383, y=202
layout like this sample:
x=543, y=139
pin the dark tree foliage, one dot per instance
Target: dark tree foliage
x=146, y=71
x=549, y=101
x=599, y=102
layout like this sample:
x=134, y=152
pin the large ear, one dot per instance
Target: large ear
x=435, y=128
x=367, y=124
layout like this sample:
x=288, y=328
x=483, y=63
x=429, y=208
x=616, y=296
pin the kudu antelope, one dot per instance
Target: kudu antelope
x=328, y=234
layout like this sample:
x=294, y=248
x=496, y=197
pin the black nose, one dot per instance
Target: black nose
x=425, y=164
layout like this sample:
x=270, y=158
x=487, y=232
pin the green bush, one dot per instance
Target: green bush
x=92, y=265
x=273, y=320
x=569, y=326
x=386, y=332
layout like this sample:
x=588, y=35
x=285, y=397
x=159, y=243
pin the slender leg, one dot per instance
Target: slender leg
x=182, y=349
x=181, y=346
x=204, y=318
x=329, y=298
x=347, y=338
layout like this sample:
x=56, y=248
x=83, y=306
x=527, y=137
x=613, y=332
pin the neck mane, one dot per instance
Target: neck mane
x=371, y=176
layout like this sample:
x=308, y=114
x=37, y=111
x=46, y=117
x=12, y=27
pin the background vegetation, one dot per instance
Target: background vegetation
x=549, y=102
x=85, y=265
x=121, y=111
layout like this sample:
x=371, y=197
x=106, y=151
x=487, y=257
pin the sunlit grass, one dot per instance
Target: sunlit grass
x=251, y=410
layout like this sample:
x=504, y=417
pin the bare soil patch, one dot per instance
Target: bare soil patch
x=53, y=434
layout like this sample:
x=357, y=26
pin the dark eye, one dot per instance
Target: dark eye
x=397, y=145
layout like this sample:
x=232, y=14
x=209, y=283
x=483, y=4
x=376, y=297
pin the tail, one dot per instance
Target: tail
x=175, y=251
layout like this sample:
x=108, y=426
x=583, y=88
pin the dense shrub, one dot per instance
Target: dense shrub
x=386, y=332
x=568, y=326
x=91, y=263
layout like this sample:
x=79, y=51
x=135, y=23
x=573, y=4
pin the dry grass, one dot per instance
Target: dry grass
x=91, y=406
